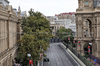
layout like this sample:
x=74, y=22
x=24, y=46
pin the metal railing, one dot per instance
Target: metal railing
x=83, y=59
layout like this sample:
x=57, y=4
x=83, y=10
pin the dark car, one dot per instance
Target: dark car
x=46, y=60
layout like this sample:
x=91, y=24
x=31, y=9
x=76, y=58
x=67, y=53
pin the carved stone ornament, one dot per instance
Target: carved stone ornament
x=80, y=23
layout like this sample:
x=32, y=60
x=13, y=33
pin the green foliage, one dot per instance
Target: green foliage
x=36, y=37
x=86, y=55
x=63, y=34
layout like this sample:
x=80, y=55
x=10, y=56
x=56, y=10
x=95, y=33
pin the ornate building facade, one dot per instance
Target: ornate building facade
x=9, y=34
x=54, y=26
x=88, y=26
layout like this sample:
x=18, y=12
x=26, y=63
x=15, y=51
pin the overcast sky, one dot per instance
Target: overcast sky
x=47, y=7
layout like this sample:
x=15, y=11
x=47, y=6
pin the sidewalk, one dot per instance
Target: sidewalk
x=93, y=62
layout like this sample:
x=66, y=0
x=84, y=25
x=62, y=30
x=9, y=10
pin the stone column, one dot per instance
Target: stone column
x=79, y=31
x=98, y=37
x=94, y=48
x=80, y=49
x=0, y=38
x=8, y=34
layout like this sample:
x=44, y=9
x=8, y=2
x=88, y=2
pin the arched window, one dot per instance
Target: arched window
x=87, y=23
x=87, y=32
x=89, y=28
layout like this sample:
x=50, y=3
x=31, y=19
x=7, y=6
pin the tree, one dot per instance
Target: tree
x=63, y=34
x=36, y=37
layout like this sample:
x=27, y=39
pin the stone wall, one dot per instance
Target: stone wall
x=88, y=26
x=9, y=34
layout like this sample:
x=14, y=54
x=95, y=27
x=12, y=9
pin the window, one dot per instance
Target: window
x=0, y=2
x=86, y=23
x=86, y=3
x=95, y=3
x=86, y=31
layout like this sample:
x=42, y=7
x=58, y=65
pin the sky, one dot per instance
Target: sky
x=46, y=7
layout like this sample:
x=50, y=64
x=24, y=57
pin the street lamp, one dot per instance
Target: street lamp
x=30, y=61
x=74, y=43
x=29, y=55
x=90, y=44
x=68, y=40
x=90, y=50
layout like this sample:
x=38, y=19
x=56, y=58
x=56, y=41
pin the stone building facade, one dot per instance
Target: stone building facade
x=70, y=15
x=4, y=2
x=9, y=34
x=88, y=26
x=54, y=26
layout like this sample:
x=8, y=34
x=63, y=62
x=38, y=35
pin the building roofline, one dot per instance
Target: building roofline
x=7, y=1
x=66, y=13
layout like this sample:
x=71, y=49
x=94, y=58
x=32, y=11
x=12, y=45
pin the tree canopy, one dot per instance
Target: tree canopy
x=36, y=36
x=63, y=34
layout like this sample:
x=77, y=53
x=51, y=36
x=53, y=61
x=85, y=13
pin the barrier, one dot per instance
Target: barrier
x=83, y=59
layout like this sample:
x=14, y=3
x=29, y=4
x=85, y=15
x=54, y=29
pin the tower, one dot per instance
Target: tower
x=88, y=25
x=86, y=5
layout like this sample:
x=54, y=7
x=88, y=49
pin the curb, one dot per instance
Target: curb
x=74, y=56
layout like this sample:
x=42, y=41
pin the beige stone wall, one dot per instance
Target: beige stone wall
x=55, y=27
x=9, y=34
x=3, y=35
x=85, y=15
x=12, y=34
x=67, y=16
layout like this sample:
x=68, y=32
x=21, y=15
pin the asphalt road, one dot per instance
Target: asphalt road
x=59, y=57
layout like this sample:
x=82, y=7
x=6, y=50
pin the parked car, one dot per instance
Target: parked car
x=46, y=60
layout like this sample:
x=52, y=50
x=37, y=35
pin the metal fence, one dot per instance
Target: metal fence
x=83, y=59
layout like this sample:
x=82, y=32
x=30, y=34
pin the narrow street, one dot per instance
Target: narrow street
x=59, y=57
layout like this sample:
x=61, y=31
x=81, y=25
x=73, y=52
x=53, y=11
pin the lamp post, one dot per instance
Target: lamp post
x=90, y=50
x=68, y=40
x=74, y=43
x=30, y=61
x=29, y=55
x=80, y=45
